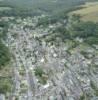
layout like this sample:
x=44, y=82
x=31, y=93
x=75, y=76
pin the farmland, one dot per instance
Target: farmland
x=89, y=12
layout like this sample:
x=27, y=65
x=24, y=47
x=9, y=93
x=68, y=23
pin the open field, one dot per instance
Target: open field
x=89, y=12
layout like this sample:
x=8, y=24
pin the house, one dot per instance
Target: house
x=2, y=97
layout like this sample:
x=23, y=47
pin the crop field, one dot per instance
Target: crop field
x=89, y=12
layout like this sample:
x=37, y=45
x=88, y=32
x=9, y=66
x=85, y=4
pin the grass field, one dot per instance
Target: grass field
x=89, y=12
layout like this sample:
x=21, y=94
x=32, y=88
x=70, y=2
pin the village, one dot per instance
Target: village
x=49, y=70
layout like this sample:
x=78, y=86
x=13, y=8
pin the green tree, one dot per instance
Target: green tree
x=5, y=86
x=4, y=55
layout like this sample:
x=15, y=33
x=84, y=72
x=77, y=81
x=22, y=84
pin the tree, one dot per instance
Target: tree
x=4, y=55
x=78, y=28
x=5, y=86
